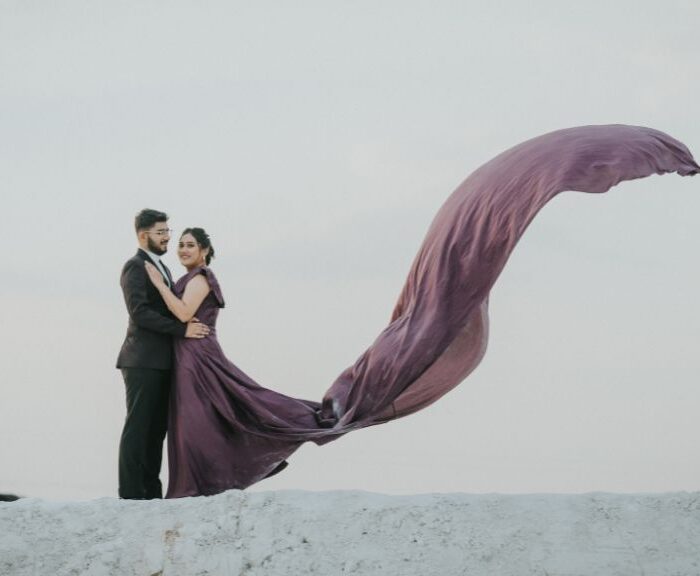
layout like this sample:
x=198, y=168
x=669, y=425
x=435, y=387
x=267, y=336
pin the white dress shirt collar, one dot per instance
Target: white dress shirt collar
x=153, y=257
x=159, y=265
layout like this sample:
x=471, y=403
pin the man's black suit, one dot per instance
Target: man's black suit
x=145, y=360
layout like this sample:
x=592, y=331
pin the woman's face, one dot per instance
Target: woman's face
x=189, y=252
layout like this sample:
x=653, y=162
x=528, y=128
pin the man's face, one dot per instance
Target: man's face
x=158, y=238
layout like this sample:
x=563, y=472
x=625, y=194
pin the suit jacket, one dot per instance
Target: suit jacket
x=148, y=342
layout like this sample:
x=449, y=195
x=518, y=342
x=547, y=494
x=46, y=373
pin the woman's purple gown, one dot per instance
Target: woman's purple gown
x=226, y=431
x=218, y=413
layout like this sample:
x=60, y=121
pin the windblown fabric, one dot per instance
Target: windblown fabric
x=439, y=327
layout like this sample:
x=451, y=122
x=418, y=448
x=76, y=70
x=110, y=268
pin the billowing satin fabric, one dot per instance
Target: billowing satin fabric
x=226, y=431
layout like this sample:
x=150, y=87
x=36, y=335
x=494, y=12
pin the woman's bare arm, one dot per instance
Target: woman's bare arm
x=195, y=293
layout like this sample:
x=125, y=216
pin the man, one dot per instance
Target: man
x=146, y=361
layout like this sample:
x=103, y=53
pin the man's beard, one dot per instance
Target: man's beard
x=156, y=248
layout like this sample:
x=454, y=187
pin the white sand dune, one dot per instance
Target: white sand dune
x=291, y=532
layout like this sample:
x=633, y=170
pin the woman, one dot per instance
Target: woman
x=228, y=432
x=225, y=431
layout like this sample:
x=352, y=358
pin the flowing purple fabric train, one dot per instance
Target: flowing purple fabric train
x=439, y=327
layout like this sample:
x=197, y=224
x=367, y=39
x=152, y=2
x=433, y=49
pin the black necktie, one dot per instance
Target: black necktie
x=167, y=273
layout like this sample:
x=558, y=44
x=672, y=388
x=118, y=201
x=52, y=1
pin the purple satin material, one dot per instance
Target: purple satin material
x=228, y=432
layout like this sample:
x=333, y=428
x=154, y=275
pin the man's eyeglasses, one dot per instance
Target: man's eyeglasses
x=164, y=232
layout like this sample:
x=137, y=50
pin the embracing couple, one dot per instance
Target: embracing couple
x=177, y=379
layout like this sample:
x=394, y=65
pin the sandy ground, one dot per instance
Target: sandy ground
x=328, y=533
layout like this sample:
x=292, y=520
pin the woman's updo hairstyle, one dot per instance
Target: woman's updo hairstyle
x=203, y=241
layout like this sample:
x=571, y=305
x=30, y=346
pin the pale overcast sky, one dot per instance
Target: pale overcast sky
x=315, y=140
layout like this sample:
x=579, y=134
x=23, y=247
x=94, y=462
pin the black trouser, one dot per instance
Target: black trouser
x=141, y=446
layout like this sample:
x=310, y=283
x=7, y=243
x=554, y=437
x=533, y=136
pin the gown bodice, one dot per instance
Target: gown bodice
x=208, y=311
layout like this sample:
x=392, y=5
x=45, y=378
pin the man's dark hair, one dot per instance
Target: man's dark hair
x=147, y=218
